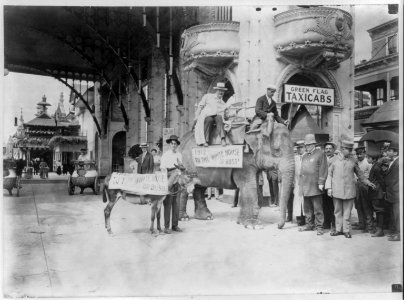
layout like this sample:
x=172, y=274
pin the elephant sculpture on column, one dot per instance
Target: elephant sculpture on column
x=270, y=147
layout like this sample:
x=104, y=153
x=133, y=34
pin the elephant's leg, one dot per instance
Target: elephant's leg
x=201, y=209
x=113, y=198
x=183, y=205
x=249, y=209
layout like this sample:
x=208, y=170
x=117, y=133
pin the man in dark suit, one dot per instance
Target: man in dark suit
x=145, y=161
x=392, y=181
x=145, y=164
x=264, y=105
x=313, y=174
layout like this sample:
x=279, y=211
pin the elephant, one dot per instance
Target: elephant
x=269, y=147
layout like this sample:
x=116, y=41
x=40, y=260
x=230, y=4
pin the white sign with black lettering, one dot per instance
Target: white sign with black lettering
x=140, y=184
x=309, y=95
x=230, y=156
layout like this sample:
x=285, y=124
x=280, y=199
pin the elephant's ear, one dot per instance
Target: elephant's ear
x=252, y=139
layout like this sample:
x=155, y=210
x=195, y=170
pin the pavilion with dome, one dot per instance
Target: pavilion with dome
x=51, y=137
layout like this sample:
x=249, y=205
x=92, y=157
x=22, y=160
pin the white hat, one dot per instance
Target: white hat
x=271, y=87
x=144, y=145
x=220, y=86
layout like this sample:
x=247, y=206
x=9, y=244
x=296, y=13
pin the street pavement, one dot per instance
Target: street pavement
x=56, y=245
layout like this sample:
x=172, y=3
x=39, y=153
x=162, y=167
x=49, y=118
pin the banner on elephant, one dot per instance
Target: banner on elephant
x=140, y=184
x=230, y=156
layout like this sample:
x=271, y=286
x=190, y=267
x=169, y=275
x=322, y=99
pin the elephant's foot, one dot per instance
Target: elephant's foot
x=253, y=224
x=203, y=214
x=184, y=216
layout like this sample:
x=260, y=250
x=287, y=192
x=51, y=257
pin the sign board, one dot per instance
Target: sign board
x=140, y=184
x=167, y=132
x=309, y=95
x=230, y=156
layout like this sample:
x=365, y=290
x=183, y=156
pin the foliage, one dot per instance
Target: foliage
x=135, y=151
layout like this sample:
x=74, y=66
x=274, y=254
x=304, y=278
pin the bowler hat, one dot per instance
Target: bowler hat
x=220, y=86
x=144, y=145
x=271, y=87
x=330, y=143
x=83, y=149
x=309, y=139
x=394, y=145
x=347, y=144
x=173, y=138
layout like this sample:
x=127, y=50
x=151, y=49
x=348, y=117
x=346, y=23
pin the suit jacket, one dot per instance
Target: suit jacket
x=313, y=172
x=341, y=177
x=147, y=165
x=262, y=108
x=391, y=180
x=376, y=177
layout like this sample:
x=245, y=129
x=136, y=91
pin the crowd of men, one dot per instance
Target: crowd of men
x=328, y=182
x=332, y=182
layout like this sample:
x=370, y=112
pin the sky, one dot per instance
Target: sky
x=24, y=91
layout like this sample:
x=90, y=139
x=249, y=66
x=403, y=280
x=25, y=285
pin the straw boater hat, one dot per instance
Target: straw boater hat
x=173, y=138
x=309, y=139
x=347, y=144
x=271, y=87
x=220, y=86
x=300, y=143
x=144, y=145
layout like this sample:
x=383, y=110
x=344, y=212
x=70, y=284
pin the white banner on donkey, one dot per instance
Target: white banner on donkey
x=140, y=184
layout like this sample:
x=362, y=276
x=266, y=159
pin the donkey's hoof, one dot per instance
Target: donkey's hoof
x=109, y=231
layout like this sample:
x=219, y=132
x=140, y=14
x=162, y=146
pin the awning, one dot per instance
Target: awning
x=388, y=112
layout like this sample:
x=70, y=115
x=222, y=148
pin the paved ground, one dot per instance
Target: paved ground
x=56, y=245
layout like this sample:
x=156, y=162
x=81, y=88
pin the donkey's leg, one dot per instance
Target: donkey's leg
x=153, y=213
x=111, y=202
x=159, y=204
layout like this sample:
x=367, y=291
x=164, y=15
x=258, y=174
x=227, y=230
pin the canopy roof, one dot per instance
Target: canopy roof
x=388, y=112
x=86, y=42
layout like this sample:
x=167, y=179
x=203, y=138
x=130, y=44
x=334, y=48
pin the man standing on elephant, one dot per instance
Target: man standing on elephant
x=313, y=174
x=171, y=204
x=265, y=105
x=210, y=111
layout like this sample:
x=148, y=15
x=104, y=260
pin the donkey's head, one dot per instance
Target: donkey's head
x=181, y=177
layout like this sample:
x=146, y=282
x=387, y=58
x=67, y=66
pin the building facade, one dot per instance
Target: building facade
x=377, y=82
x=150, y=72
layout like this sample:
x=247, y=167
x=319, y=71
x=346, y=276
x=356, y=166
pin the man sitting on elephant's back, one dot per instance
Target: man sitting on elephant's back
x=264, y=105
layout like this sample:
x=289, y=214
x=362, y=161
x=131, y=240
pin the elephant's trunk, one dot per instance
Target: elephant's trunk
x=286, y=173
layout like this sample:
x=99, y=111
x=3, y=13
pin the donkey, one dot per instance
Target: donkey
x=177, y=181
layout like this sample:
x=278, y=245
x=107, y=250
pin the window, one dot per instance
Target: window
x=392, y=44
x=379, y=96
x=362, y=99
